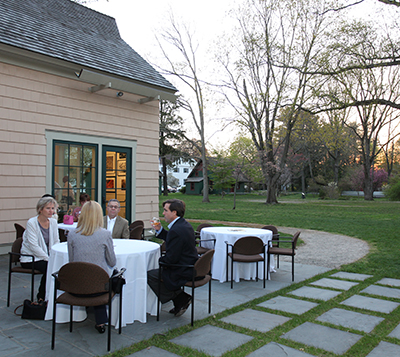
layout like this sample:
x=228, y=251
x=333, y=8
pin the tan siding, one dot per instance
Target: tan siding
x=32, y=102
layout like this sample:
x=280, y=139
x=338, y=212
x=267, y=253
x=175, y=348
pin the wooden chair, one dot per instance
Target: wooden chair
x=14, y=256
x=246, y=250
x=201, y=276
x=275, y=237
x=136, y=232
x=200, y=249
x=138, y=222
x=80, y=278
x=19, y=230
x=284, y=251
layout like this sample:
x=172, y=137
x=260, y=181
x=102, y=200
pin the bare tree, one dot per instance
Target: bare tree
x=186, y=70
x=278, y=48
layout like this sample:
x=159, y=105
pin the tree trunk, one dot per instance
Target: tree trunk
x=205, y=179
x=368, y=183
x=272, y=189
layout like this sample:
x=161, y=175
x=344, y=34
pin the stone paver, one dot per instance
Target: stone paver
x=350, y=319
x=395, y=333
x=382, y=291
x=212, y=340
x=278, y=350
x=256, y=320
x=388, y=281
x=293, y=306
x=334, y=284
x=385, y=349
x=351, y=276
x=153, y=351
x=315, y=293
x=371, y=304
x=323, y=337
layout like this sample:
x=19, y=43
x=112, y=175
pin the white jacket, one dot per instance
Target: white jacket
x=33, y=242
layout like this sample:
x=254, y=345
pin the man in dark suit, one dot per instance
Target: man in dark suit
x=118, y=226
x=180, y=249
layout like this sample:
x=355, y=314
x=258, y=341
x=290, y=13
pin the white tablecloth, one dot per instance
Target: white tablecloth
x=245, y=271
x=137, y=256
x=68, y=227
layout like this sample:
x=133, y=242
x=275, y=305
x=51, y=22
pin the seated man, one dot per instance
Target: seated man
x=180, y=249
x=118, y=226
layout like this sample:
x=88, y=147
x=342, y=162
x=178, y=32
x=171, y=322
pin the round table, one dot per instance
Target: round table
x=245, y=271
x=137, y=256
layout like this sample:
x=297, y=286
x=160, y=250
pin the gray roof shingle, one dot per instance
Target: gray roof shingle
x=68, y=31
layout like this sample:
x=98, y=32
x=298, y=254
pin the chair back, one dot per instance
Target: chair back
x=273, y=229
x=83, y=278
x=136, y=232
x=16, y=248
x=248, y=246
x=203, y=264
x=163, y=248
x=136, y=223
x=62, y=235
x=295, y=238
x=19, y=230
x=200, y=227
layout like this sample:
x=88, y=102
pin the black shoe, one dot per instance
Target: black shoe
x=173, y=310
x=180, y=311
x=100, y=328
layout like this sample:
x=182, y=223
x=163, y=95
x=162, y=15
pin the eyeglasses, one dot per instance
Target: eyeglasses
x=113, y=207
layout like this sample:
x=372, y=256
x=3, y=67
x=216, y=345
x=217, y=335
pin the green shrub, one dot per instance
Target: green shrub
x=392, y=190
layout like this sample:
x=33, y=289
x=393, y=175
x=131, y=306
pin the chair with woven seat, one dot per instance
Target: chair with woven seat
x=136, y=223
x=137, y=232
x=19, y=230
x=284, y=251
x=15, y=254
x=275, y=237
x=84, y=284
x=246, y=250
x=201, y=249
x=201, y=276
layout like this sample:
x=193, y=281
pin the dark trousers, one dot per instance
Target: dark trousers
x=40, y=265
x=165, y=295
x=100, y=314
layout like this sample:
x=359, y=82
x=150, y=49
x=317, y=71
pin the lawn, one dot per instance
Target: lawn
x=376, y=222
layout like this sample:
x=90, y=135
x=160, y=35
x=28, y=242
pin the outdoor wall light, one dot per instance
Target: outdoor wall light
x=120, y=94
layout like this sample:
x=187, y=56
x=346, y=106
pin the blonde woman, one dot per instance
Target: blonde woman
x=40, y=235
x=91, y=243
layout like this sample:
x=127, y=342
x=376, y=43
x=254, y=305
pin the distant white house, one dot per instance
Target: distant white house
x=180, y=171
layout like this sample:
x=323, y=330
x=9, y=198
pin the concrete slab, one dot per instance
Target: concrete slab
x=315, y=293
x=278, y=350
x=382, y=291
x=212, y=340
x=395, y=333
x=326, y=338
x=350, y=319
x=334, y=284
x=153, y=351
x=390, y=282
x=372, y=304
x=256, y=320
x=385, y=349
x=293, y=306
x=351, y=276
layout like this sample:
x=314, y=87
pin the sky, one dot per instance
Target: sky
x=140, y=21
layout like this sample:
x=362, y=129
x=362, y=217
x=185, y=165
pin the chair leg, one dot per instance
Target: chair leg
x=277, y=261
x=232, y=272
x=292, y=267
x=209, y=296
x=53, y=325
x=192, y=317
x=9, y=284
x=109, y=324
x=158, y=295
x=32, y=283
x=264, y=272
x=257, y=271
x=268, y=263
x=120, y=312
x=71, y=310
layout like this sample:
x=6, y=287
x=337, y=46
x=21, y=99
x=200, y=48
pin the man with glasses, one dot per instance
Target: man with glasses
x=118, y=226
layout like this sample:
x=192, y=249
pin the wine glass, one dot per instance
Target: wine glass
x=154, y=221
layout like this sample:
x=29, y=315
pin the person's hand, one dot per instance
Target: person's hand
x=155, y=223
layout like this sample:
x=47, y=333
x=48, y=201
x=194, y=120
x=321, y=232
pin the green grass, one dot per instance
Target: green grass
x=376, y=222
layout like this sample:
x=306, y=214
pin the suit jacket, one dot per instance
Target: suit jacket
x=121, y=227
x=180, y=249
